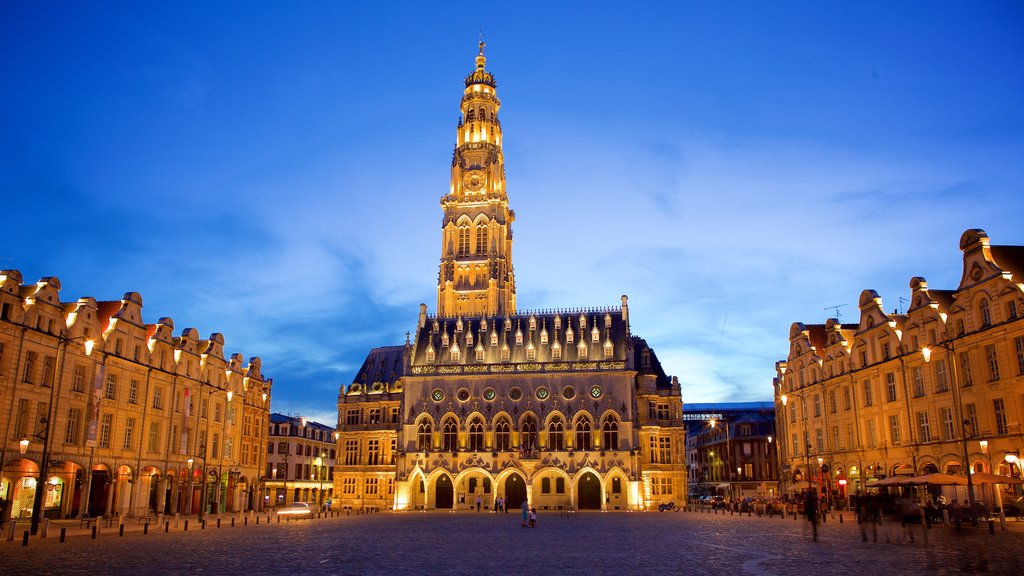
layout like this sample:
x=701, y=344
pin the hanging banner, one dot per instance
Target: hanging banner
x=92, y=412
x=186, y=414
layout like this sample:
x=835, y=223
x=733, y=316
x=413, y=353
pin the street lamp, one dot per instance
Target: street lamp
x=44, y=464
x=1013, y=459
x=320, y=473
x=728, y=455
x=958, y=394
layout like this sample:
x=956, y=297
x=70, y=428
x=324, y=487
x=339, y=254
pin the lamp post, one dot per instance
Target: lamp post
x=958, y=394
x=320, y=474
x=44, y=464
x=727, y=465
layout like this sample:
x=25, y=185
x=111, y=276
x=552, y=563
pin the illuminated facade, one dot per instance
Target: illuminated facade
x=300, y=461
x=131, y=415
x=565, y=408
x=887, y=395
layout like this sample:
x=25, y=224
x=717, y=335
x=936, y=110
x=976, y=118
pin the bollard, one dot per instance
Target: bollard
x=94, y=530
x=840, y=518
x=167, y=526
x=120, y=530
x=245, y=521
x=257, y=520
x=186, y=525
x=957, y=521
x=203, y=526
x=145, y=529
x=233, y=520
x=218, y=519
x=278, y=519
x=44, y=527
x=991, y=526
x=63, y=534
x=24, y=538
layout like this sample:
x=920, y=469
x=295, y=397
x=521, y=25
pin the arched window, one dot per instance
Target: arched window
x=610, y=433
x=476, y=435
x=423, y=436
x=583, y=434
x=529, y=434
x=463, y=241
x=986, y=313
x=502, y=436
x=481, y=238
x=450, y=436
x=556, y=435
x=471, y=115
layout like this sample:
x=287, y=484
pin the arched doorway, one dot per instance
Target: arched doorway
x=444, y=493
x=99, y=487
x=515, y=491
x=588, y=492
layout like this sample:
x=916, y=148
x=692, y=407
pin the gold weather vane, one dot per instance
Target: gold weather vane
x=480, y=58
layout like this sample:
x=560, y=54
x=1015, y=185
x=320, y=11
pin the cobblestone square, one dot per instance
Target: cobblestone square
x=470, y=543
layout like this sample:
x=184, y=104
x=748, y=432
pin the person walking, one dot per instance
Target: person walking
x=811, y=511
x=478, y=501
x=533, y=518
x=526, y=511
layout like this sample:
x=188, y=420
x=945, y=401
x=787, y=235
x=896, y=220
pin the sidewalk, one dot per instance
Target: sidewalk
x=16, y=532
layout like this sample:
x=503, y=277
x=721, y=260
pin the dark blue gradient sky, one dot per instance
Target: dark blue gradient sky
x=272, y=170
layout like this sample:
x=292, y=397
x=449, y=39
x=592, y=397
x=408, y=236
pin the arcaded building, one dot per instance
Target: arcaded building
x=563, y=407
x=117, y=417
x=910, y=393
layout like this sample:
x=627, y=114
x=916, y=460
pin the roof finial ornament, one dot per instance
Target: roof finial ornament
x=480, y=58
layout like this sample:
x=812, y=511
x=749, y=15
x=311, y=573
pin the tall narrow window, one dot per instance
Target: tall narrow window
x=481, y=239
x=941, y=377
x=529, y=434
x=986, y=313
x=894, y=429
x=993, y=362
x=450, y=436
x=502, y=436
x=965, y=369
x=890, y=387
x=948, y=429
x=918, y=375
x=78, y=378
x=74, y=424
x=924, y=430
x=105, y=424
x=1018, y=344
x=582, y=434
x=556, y=435
x=999, y=408
x=476, y=435
x=129, y=431
x=463, y=241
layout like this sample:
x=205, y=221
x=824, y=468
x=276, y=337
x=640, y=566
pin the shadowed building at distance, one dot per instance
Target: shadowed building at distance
x=566, y=408
x=300, y=461
x=731, y=449
x=120, y=417
x=939, y=388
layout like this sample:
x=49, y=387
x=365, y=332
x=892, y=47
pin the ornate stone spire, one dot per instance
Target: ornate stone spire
x=476, y=277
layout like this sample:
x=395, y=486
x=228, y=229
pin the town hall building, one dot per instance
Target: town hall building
x=565, y=408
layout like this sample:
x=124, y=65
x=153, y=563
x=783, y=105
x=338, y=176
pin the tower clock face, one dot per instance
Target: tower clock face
x=473, y=180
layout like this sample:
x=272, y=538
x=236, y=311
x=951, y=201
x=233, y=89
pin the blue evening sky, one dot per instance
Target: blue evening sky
x=272, y=170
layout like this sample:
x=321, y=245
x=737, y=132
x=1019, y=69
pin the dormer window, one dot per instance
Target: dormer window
x=595, y=334
x=469, y=339
x=444, y=339
x=607, y=321
x=569, y=335
x=483, y=324
x=533, y=323
x=431, y=353
x=505, y=353
x=583, y=322
x=609, y=348
x=455, y=353
x=458, y=325
x=479, y=352
x=558, y=322
x=519, y=336
x=494, y=338
x=544, y=336
x=531, y=352
x=556, y=351
x=581, y=349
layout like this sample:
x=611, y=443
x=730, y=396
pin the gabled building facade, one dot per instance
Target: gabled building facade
x=564, y=408
x=900, y=393
x=121, y=417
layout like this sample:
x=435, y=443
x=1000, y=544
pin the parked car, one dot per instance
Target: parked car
x=718, y=502
x=296, y=509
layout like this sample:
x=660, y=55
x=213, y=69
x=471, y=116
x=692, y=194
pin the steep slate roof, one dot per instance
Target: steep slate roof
x=608, y=320
x=384, y=364
x=1010, y=258
x=639, y=345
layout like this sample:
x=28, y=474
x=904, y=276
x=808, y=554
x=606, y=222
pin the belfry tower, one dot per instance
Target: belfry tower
x=476, y=276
